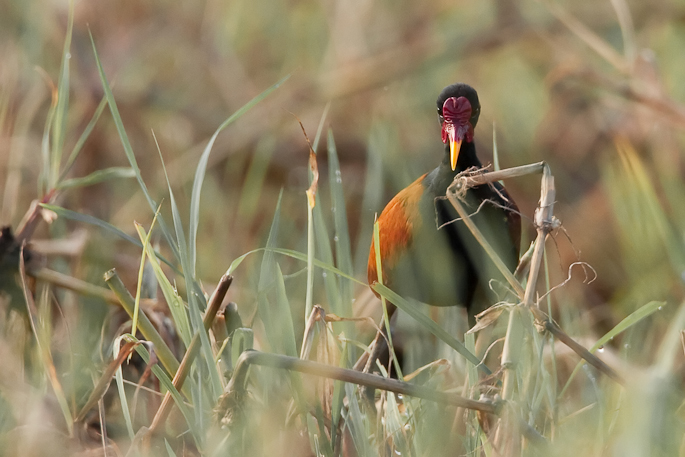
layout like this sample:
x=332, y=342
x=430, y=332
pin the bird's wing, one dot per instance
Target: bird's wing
x=397, y=223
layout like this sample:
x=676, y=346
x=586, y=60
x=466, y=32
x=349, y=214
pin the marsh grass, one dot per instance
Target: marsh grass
x=279, y=381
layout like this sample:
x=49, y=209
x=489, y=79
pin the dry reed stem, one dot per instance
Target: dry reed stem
x=105, y=379
x=237, y=383
x=179, y=378
x=545, y=222
x=473, y=178
x=73, y=284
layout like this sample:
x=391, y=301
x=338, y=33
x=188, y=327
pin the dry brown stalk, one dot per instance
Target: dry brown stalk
x=179, y=378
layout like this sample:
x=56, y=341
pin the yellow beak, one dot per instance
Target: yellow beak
x=455, y=146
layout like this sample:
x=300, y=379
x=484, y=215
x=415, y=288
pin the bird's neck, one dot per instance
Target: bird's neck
x=443, y=175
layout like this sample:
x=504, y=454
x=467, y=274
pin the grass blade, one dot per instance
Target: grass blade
x=358, y=424
x=325, y=254
x=284, y=317
x=145, y=239
x=43, y=347
x=267, y=273
x=82, y=139
x=386, y=317
x=173, y=300
x=74, y=216
x=119, y=377
x=341, y=238
x=97, y=177
x=295, y=255
x=45, y=179
x=630, y=320
x=128, y=150
x=59, y=125
x=427, y=322
x=202, y=168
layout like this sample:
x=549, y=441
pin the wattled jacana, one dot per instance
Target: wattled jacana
x=426, y=252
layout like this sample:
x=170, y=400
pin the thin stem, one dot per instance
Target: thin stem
x=239, y=379
x=184, y=368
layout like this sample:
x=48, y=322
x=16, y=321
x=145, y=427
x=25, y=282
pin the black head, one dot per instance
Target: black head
x=458, y=112
x=460, y=90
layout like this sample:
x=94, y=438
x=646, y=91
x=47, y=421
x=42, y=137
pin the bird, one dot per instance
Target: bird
x=426, y=252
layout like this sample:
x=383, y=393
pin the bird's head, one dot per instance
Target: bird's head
x=458, y=111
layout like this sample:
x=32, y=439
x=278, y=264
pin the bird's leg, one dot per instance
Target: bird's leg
x=380, y=344
x=364, y=364
x=367, y=361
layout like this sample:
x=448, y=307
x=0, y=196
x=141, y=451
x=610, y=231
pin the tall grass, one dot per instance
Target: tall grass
x=606, y=125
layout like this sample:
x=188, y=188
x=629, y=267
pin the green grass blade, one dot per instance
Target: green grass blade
x=284, y=317
x=341, y=238
x=169, y=449
x=119, y=378
x=386, y=317
x=59, y=125
x=325, y=254
x=74, y=216
x=272, y=300
x=40, y=330
x=267, y=275
x=495, y=151
x=295, y=255
x=338, y=397
x=671, y=345
x=78, y=147
x=428, y=323
x=195, y=298
x=145, y=240
x=358, y=424
x=241, y=341
x=395, y=427
x=319, y=129
x=202, y=168
x=632, y=319
x=176, y=305
x=173, y=300
x=97, y=177
x=128, y=150
x=45, y=180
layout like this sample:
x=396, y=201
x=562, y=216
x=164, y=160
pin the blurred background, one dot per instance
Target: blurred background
x=593, y=88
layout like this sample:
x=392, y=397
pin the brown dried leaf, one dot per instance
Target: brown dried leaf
x=311, y=192
x=487, y=318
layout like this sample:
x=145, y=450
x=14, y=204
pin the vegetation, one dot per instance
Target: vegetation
x=154, y=163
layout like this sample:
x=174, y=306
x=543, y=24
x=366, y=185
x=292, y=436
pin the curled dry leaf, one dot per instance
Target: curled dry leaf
x=435, y=367
x=487, y=318
x=313, y=167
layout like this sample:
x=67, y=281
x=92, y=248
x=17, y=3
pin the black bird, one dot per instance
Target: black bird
x=426, y=252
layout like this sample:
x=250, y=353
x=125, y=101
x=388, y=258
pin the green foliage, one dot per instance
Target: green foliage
x=235, y=196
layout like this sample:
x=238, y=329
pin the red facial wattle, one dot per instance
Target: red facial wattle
x=456, y=128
